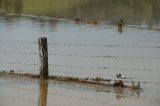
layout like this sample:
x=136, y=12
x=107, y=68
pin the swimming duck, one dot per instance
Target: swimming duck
x=120, y=23
x=77, y=20
x=120, y=26
x=11, y=71
x=95, y=22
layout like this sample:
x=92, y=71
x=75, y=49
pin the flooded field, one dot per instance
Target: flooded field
x=23, y=91
x=89, y=48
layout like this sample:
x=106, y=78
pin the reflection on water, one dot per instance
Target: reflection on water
x=43, y=91
x=119, y=97
x=23, y=92
x=41, y=23
x=134, y=11
x=121, y=93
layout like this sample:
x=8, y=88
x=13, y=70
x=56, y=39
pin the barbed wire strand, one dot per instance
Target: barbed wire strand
x=109, y=56
x=18, y=42
x=78, y=55
x=29, y=64
x=80, y=67
x=102, y=45
x=107, y=68
x=90, y=45
x=10, y=52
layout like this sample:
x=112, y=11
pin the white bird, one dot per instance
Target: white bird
x=120, y=76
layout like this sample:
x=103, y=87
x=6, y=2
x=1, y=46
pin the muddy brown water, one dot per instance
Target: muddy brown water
x=18, y=90
x=80, y=49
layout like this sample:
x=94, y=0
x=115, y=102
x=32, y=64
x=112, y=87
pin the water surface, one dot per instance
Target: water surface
x=84, y=50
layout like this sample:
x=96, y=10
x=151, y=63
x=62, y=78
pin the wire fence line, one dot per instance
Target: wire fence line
x=103, y=45
x=84, y=44
x=18, y=42
x=78, y=55
x=104, y=56
x=14, y=63
x=10, y=52
x=80, y=67
x=98, y=68
x=101, y=68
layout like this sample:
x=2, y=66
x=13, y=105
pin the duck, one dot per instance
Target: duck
x=95, y=22
x=11, y=71
x=120, y=26
x=77, y=20
x=120, y=76
x=120, y=23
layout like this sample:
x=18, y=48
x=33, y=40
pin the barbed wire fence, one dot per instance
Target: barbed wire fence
x=71, y=69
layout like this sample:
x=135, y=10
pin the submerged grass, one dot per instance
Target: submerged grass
x=88, y=81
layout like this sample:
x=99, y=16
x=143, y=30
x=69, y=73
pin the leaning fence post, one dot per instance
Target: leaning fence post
x=43, y=56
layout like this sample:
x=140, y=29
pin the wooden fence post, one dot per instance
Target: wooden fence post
x=43, y=56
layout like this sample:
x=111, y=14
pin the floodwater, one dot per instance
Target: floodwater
x=18, y=92
x=82, y=49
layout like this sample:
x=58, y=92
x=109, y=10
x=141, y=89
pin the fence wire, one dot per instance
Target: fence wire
x=79, y=55
x=83, y=44
x=79, y=67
